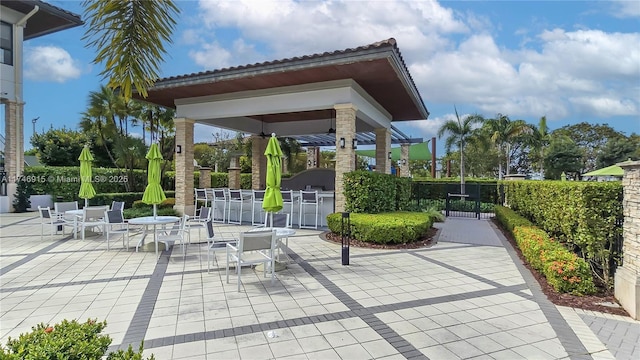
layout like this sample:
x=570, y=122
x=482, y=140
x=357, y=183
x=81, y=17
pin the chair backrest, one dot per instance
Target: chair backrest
x=205, y=213
x=257, y=240
x=201, y=194
x=93, y=213
x=117, y=205
x=235, y=195
x=279, y=220
x=287, y=196
x=219, y=194
x=210, y=232
x=258, y=195
x=308, y=196
x=114, y=217
x=45, y=212
x=61, y=207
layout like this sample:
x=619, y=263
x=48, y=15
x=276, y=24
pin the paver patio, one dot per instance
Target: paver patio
x=467, y=297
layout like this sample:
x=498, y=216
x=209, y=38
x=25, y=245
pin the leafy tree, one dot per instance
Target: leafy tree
x=617, y=150
x=59, y=147
x=590, y=138
x=503, y=133
x=563, y=155
x=129, y=37
x=290, y=148
x=459, y=130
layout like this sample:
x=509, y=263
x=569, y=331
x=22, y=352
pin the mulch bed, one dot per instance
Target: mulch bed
x=588, y=302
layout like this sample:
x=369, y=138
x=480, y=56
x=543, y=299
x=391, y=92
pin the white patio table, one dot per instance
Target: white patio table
x=147, y=221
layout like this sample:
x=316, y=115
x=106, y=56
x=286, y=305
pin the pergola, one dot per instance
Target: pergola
x=328, y=99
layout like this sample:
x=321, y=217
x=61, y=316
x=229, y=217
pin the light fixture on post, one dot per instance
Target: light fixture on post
x=389, y=155
x=309, y=163
x=342, y=143
x=354, y=143
x=178, y=149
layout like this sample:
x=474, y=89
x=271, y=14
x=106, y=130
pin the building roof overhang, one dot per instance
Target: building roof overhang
x=48, y=19
x=375, y=73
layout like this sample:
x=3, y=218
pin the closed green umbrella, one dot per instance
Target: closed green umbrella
x=153, y=193
x=86, y=187
x=272, y=201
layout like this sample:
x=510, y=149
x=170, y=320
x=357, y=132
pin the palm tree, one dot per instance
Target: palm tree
x=540, y=139
x=460, y=131
x=502, y=131
x=129, y=37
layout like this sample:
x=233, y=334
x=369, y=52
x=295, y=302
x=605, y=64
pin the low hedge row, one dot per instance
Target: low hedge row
x=384, y=228
x=564, y=270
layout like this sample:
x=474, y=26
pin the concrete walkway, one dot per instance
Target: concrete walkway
x=466, y=297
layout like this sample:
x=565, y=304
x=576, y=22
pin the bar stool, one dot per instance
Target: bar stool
x=200, y=195
x=219, y=201
x=238, y=198
x=287, y=201
x=258, y=198
x=308, y=199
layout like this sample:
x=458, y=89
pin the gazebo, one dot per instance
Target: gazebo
x=342, y=98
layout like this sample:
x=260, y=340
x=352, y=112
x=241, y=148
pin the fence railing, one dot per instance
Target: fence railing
x=477, y=201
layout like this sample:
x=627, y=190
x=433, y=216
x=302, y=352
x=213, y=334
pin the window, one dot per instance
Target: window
x=6, y=43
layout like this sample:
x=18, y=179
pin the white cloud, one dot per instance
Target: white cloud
x=50, y=63
x=454, y=58
x=211, y=56
x=625, y=8
x=292, y=28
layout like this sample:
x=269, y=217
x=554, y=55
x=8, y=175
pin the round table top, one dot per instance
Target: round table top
x=73, y=212
x=280, y=231
x=150, y=220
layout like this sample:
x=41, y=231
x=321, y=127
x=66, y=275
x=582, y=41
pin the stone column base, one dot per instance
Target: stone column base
x=627, y=290
x=188, y=209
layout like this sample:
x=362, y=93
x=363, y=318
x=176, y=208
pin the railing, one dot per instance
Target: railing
x=477, y=201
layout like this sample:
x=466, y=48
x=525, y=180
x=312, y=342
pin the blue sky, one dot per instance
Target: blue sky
x=572, y=61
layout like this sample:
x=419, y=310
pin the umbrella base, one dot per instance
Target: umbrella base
x=151, y=247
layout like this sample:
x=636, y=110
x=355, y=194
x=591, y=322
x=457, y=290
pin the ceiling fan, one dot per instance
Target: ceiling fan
x=262, y=134
x=331, y=129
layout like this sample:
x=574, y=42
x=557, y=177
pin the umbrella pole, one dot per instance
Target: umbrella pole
x=86, y=202
x=155, y=211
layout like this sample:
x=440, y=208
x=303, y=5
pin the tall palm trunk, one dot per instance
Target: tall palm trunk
x=462, y=168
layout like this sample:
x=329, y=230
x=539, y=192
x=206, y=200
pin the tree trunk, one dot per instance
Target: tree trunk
x=462, y=167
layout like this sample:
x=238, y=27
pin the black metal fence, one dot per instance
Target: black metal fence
x=477, y=200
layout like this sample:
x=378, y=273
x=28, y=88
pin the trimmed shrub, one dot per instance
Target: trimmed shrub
x=369, y=192
x=563, y=269
x=586, y=215
x=68, y=340
x=510, y=219
x=384, y=228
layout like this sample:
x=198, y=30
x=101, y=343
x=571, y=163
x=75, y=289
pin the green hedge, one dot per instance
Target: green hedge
x=373, y=192
x=586, y=215
x=384, y=228
x=510, y=219
x=564, y=270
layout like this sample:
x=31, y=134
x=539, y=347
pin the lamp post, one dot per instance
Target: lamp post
x=33, y=121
